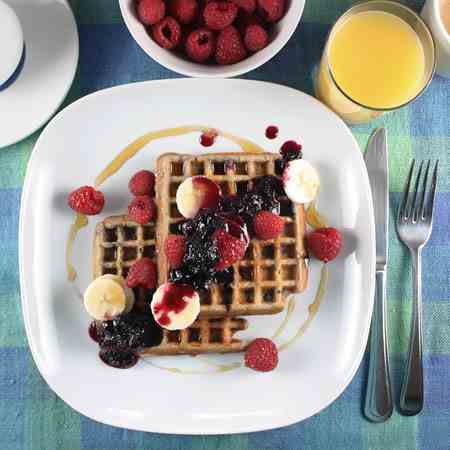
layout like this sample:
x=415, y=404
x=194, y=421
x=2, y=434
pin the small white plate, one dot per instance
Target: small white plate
x=51, y=57
x=73, y=149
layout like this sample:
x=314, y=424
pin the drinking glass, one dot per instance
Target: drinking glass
x=334, y=96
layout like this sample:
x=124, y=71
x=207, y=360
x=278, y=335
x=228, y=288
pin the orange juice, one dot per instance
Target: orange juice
x=379, y=56
x=377, y=59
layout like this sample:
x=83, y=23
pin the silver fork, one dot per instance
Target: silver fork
x=414, y=225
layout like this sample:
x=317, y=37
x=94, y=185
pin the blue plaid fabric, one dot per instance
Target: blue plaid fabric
x=32, y=417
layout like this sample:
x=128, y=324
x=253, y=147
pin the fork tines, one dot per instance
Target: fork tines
x=417, y=205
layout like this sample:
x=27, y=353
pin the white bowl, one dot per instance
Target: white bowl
x=281, y=33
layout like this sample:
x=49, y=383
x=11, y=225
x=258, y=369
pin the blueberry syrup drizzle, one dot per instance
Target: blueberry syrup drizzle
x=93, y=332
x=291, y=150
x=173, y=300
x=271, y=132
x=263, y=196
x=202, y=252
x=121, y=338
x=118, y=358
x=208, y=138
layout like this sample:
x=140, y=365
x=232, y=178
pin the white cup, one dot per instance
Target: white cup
x=431, y=13
x=12, y=49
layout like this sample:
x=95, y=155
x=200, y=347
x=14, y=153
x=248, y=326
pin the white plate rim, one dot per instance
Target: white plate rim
x=287, y=420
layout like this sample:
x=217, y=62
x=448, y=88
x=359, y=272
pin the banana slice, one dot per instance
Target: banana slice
x=175, y=306
x=105, y=299
x=301, y=181
x=129, y=294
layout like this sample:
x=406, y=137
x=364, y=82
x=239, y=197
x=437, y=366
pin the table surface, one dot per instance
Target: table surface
x=33, y=417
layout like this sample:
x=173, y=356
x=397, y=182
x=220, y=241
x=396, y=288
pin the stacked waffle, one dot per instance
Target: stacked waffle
x=262, y=280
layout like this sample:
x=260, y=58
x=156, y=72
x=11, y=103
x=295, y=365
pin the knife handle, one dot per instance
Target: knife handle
x=378, y=404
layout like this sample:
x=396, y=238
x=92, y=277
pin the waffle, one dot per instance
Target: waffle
x=270, y=270
x=118, y=243
x=203, y=336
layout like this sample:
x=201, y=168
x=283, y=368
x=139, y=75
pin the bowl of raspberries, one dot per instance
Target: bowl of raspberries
x=211, y=38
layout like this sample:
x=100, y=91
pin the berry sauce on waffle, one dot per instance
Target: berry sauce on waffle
x=173, y=300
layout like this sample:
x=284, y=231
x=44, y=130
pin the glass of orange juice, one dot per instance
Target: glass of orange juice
x=379, y=56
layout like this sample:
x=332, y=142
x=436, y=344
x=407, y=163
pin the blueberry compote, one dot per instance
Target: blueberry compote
x=271, y=132
x=118, y=358
x=93, y=334
x=264, y=196
x=121, y=338
x=208, y=138
x=289, y=151
x=202, y=253
x=234, y=214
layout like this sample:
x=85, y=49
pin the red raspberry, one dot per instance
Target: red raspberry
x=174, y=249
x=200, y=45
x=230, y=48
x=185, y=11
x=261, y=355
x=267, y=225
x=231, y=249
x=220, y=14
x=271, y=10
x=324, y=243
x=248, y=6
x=255, y=37
x=86, y=200
x=142, y=183
x=167, y=33
x=142, y=273
x=142, y=209
x=151, y=11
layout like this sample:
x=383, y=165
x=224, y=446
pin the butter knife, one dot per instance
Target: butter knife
x=378, y=403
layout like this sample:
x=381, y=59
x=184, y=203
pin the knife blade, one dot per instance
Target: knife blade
x=377, y=167
x=378, y=405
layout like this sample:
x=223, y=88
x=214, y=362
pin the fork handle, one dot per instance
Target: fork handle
x=378, y=404
x=411, y=396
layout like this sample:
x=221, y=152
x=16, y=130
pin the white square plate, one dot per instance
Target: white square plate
x=73, y=149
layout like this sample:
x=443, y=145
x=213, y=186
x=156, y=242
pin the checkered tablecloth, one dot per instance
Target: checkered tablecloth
x=32, y=417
